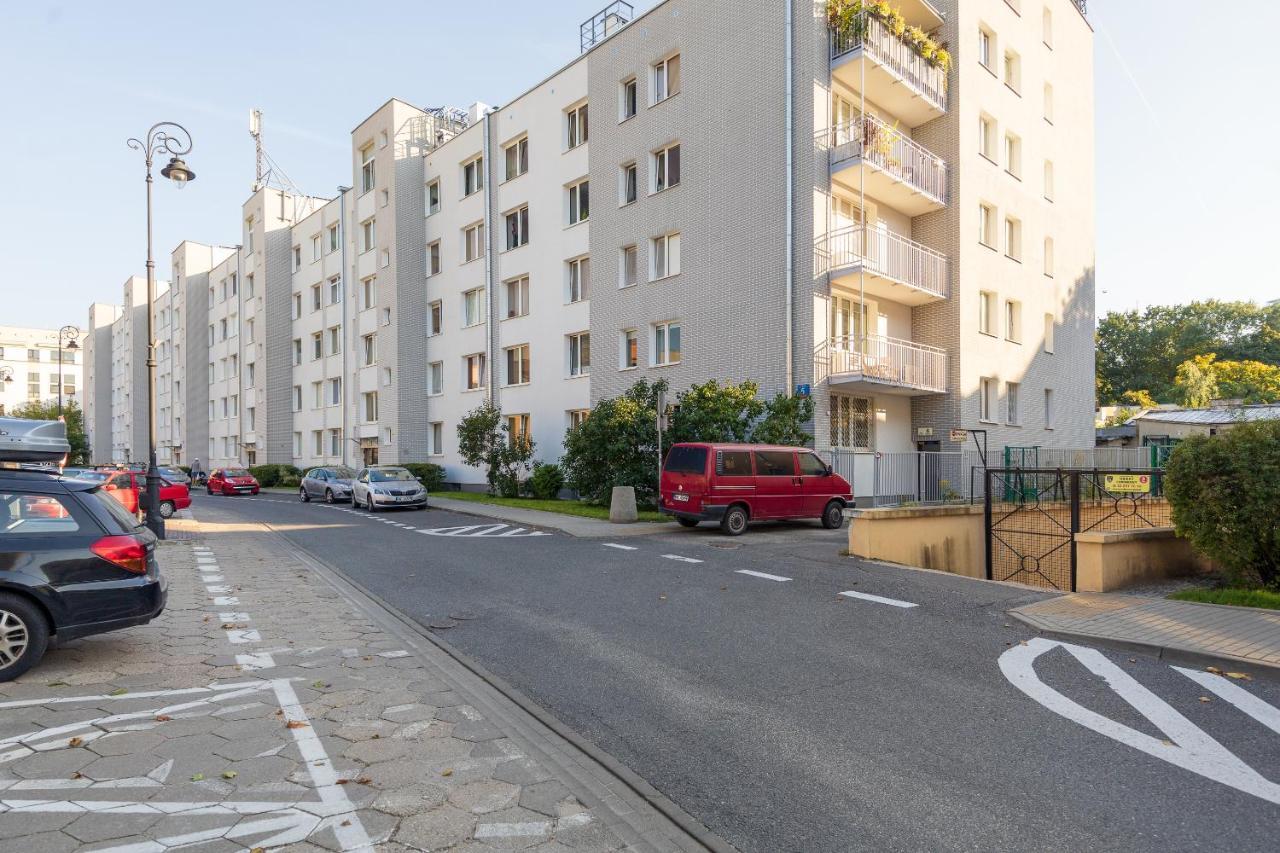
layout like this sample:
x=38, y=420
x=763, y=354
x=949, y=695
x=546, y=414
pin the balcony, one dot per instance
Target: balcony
x=890, y=265
x=882, y=365
x=867, y=153
x=895, y=77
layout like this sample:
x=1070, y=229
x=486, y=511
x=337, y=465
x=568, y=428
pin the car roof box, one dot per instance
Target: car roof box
x=23, y=440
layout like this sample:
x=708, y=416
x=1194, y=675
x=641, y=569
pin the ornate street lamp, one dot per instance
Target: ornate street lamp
x=66, y=333
x=160, y=140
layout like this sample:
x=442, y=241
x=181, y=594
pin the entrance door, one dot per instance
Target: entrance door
x=370, y=456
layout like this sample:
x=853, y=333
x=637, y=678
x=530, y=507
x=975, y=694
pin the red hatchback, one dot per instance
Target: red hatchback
x=737, y=483
x=232, y=481
x=128, y=487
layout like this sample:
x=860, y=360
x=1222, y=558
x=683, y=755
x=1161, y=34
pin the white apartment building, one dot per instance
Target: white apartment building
x=98, y=369
x=126, y=341
x=30, y=358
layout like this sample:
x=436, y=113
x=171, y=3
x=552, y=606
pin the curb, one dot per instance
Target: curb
x=681, y=820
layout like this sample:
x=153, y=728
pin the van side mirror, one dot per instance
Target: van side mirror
x=828, y=472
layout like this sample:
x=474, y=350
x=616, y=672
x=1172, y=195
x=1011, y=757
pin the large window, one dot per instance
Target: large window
x=435, y=378
x=366, y=168
x=333, y=238
x=517, y=156
x=579, y=279
x=666, y=168
x=435, y=318
x=472, y=176
x=518, y=428
x=851, y=421
x=987, y=137
x=987, y=400
x=579, y=202
x=1012, y=415
x=473, y=242
x=666, y=343
x=580, y=354
x=517, y=364
x=518, y=227
x=516, y=297
x=369, y=408
x=986, y=312
x=369, y=350
x=576, y=126
x=630, y=350
x=987, y=225
x=433, y=258
x=627, y=184
x=627, y=99
x=664, y=256
x=473, y=367
x=986, y=49
x=473, y=307
x=1013, y=238
x=368, y=235
x=1013, y=154
x=437, y=439
x=433, y=197
x=1013, y=321
x=627, y=274
x=666, y=78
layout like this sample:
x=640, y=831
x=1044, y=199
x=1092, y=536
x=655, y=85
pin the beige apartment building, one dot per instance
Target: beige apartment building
x=822, y=210
x=31, y=361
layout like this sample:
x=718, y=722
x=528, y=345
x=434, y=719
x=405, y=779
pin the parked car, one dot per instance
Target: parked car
x=332, y=483
x=175, y=475
x=388, y=487
x=734, y=484
x=232, y=481
x=73, y=561
x=130, y=488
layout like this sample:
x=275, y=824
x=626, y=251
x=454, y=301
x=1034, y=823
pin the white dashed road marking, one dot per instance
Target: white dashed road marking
x=680, y=559
x=764, y=575
x=619, y=547
x=879, y=599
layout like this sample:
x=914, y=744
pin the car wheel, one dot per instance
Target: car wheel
x=687, y=522
x=328, y=496
x=734, y=522
x=833, y=516
x=167, y=509
x=302, y=493
x=372, y=506
x=24, y=636
x=209, y=489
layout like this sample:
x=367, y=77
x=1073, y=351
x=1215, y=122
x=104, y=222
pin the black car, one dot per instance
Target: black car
x=73, y=562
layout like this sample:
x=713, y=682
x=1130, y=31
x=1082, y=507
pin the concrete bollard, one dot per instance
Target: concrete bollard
x=622, y=505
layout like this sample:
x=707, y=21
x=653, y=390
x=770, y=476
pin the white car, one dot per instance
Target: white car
x=388, y=487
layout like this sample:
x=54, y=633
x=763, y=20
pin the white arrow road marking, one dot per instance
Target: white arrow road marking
x=1192, y=749
x=1236, y=695
x=879, y=599
x=620, y=547
x=680, y=559
x=764, y=575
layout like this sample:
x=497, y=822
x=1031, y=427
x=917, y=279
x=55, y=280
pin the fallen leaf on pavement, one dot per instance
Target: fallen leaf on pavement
x=1240, y=676
x=197, y=777
x=1205, y=699
x=662, y=598
x=1214, y=670
x=163, y=718
x=363, y=780
x=75, y=741
x=295, y=724
x=1167, y=742
x=345, y=823
x=119, y=691
x=258, y=850
x=447, y=771
x=229, y=774
x=77, y=775
x=343, y=781
x=319, y=685
x=56, y=684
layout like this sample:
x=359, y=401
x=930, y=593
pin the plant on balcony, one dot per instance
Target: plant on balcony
x=850, y=17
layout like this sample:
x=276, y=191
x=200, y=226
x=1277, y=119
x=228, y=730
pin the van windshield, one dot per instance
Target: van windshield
x=686, y=460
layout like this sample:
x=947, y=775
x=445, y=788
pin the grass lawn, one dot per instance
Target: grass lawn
x=577, y=508
x=1236, y=597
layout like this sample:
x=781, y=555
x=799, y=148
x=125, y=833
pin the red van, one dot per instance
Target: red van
x=737, y=483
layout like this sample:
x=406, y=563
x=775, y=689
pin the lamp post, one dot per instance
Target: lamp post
x=65, y=333
x=160, y=139
x=6, y=378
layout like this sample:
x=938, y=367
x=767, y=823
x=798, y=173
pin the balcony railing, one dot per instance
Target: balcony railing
x=883, y=253
x=878, y=358
x=870, y=33
x=892, y=151
x=1080, y=4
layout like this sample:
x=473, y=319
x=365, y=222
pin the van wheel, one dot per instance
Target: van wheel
x=24, y=636
x=833, y=516
x=687, y=522
x=734, y=522
x=167, y=509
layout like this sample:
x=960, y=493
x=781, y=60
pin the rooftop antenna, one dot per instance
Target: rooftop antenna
x=260, y=161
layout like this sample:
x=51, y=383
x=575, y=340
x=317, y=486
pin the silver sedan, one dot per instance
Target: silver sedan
x=388, y=487
x=332, y=484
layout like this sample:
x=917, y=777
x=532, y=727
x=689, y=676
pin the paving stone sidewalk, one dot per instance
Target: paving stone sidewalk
x=1166, y=627
x=271, y=707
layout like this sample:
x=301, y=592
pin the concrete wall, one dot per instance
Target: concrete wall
x=1118, y=559
x=947, y=539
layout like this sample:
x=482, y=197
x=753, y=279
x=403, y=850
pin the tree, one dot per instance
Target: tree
x=617, y=445
x=1119, y=418
x=715, y=412
x=1196, y=382
x=784, y=422
x=1224, y=490
x=1204, y=379
x=1141, y=399
x=74, y=417
x=485, y=441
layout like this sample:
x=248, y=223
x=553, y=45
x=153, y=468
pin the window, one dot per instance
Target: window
x=433, y=197
x=627, y=99
x=435, y=321
x=1013, y=321
x=627, y=184
x=518, y=228
x=664, y=254
x=629, y=354
x=987, y=225
x=368, y=235
x=297, y=445
x=335, y=340
x=515, y=297
x=579, y=202
x=518, y=428
x=437, y=439
x=335, y=442
x=987, y=401
x=986, y=312
x=386, y=317
x=666, y=343
x=666, y=168
x=627, y=268
x=579, y=279
x=433, y=258
x=370, y=407
x=517, y=364
x=369, y=349
x=297, y=351
x=774, y=463
x=316, y=297
x=222, y=329
x=1013, y=155
x=1013, y=71
x=317, y=395
x=317, y=346
x=473, y=242
x=1048, y=333
x=517, y=158
x=250, y=372
x=1012, y=238
x=473, y=307
x=580, y=354
x=211, y=297
x=987, y=137
x=333, y=238
x=316, y=249
x=986, y=49
x=386, y=378
x=248, y=286
x=474, y=371
x=1048, y=180
x=384, y=258
x=366, y=168
x=1011, y=403
x=232, y=279
x=1049, y=413
x=472, y=176
x=368, y=293
x=248, y=235
x=435, y=378
x=335, y=392
x=577, y=417
x=250, y=419
x=1048, y=256
x=576, y=126
x=1048, y=103
x=297, y=398
x=1046, y=29
x=335, y=290
x=666, y=78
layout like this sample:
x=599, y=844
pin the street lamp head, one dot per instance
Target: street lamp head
x=178, y=172
x=73, y=344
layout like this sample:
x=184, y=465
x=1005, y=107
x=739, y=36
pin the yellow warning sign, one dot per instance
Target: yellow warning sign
x=1127, y=482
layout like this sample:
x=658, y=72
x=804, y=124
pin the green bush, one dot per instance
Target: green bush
x=1225, y=494
x=289, y=481
x=275, y=474
x=485, y=441
x=617, y=445
x=431, y=474
x=547, y=481
x=784, y=422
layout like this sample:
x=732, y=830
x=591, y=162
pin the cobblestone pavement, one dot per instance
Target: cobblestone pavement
x=271, y=707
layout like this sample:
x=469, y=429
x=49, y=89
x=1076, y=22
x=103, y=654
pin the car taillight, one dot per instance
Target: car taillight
x=127, y=552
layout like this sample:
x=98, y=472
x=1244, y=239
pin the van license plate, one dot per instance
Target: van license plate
x=682, y=498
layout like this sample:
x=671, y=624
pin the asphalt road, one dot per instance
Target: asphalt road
x=787, y=717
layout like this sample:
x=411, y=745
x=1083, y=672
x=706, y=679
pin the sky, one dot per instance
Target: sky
x=1185, y=193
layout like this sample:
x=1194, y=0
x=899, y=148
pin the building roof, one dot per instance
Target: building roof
x=1129, y=430
x=1216, y=415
